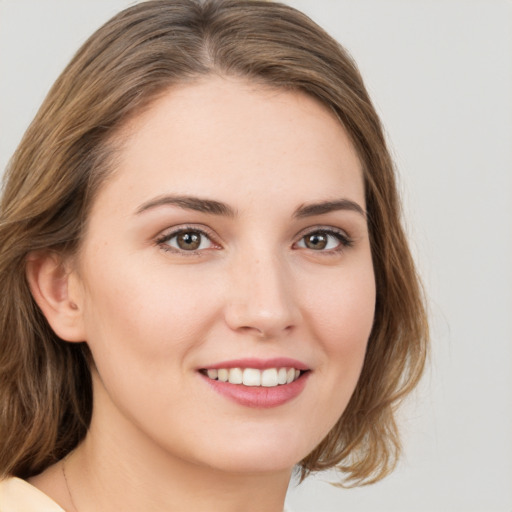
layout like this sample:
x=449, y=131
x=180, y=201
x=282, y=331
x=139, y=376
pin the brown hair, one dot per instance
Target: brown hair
x=45, y=385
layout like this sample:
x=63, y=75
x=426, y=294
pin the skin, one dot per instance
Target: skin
x=153, y=314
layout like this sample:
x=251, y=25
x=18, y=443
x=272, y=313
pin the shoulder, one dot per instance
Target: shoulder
x=17, y=495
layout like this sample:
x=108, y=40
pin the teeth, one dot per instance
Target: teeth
x=235, y=376
x=252, y=377
x=270, y=377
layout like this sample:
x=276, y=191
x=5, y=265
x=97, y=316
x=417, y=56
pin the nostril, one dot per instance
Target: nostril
x=265, y=332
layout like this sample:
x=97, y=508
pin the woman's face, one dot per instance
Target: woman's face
x=229, y=243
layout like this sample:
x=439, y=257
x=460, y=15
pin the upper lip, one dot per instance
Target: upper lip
x=259, y=364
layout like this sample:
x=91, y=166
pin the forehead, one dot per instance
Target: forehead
x=222, y=137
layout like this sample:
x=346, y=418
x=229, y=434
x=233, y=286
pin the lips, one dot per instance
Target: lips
x=256, y=382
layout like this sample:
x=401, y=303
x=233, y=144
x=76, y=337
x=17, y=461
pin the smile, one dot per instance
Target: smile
x=253, y=377
x=257, y=383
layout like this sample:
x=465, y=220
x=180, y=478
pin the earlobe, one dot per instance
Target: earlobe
x=50, y=283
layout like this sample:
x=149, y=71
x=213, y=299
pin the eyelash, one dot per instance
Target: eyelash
x=163, y=241
x=167, y=237
x=344, y=240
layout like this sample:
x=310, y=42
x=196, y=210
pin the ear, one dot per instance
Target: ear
x=56, y=290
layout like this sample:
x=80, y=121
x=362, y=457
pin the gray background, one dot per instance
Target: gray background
x=440, y=73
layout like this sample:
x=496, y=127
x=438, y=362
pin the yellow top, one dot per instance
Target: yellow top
x=16, y=495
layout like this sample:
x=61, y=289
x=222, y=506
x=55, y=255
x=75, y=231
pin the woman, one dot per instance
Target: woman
x=206, y=281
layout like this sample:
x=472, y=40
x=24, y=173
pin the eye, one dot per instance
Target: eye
x=324, y=240
x=186, y=239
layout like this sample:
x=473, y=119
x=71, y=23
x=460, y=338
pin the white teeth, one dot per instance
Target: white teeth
x=252, y=377
x=270, y=377
x=235, y=376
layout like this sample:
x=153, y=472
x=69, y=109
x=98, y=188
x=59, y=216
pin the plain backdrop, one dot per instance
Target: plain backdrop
x=440, y=74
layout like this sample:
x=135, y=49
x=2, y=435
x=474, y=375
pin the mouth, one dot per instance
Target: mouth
x=256, y=382
x=254, y=377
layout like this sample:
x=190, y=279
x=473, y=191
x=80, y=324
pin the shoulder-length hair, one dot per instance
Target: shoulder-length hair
x=68, y=150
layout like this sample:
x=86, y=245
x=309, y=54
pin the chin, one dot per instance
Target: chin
x=273, y=453
x=268, y=463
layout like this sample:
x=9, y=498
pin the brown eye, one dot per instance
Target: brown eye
x=316, y=241
x=325, y=241
x=187, y=240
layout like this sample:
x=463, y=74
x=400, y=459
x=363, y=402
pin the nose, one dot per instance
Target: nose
x=262, y=301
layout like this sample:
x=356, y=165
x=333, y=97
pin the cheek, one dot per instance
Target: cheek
x=342, y=313
x=144, y=322
x=342, y=309
x=141, y=331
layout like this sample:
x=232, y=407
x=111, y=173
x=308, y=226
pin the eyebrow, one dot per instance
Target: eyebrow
x=189, y=203
x=324, y=207
x=218, y=208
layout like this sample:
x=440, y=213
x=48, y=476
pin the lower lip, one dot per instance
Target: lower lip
x=259, y=396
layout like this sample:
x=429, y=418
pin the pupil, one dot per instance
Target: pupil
x=189, y=241
x=317, y=241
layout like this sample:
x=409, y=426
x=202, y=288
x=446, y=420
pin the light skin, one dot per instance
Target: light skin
x=269, y=185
